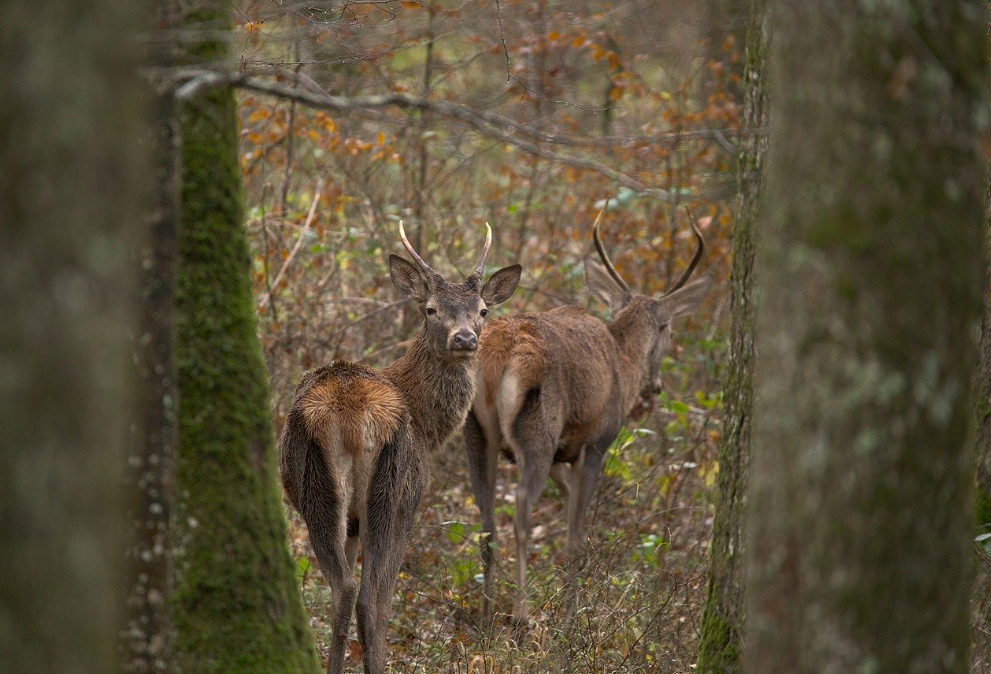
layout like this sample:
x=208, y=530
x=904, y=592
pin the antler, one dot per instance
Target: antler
x=424, y=267
x=480, y=268
x=605, y=257
x=695, y=260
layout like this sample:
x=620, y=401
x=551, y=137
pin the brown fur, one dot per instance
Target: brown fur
x=510, y=338
x=364, y=411
x=555, y=389
x=353, y=452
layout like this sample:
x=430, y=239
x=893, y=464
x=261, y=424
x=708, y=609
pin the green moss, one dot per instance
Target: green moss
x=719, y=646
x=235, y=605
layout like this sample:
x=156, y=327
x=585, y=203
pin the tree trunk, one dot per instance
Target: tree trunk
x=870, y=271
x=70, y=187
x=722, y=620
x=236, y=606
x=982, y=445
x=151, y=463
x=982, y=410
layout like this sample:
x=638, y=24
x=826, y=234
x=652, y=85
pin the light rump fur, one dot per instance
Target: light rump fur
x=353, y=452
x=555, y=389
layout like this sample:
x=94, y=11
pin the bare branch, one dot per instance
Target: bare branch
x=491, y=124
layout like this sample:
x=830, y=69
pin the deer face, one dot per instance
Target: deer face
x=646, y=321
x=453, y=313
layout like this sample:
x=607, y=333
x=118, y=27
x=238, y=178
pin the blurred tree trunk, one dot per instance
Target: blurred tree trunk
x=870, y=273
x=151, y=467
x=722, y=621
x=70, y=170
x=236, y=606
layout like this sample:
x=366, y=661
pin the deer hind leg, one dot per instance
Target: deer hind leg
x=585, y=473
x=325, y=512
x=533, y=444
x=482, y=445
x=394, y=492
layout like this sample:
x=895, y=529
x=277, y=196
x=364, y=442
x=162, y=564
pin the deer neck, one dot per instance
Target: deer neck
x=634, y=332
x=438, y=391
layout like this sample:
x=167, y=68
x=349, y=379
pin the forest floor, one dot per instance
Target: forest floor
x=643, y=582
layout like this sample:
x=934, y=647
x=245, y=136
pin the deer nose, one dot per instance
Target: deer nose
x=464, y=340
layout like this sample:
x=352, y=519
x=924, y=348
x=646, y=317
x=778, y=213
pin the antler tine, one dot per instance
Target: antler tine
x=605, y=257
x=480, y=268
x=695, y=260
x=424, y=267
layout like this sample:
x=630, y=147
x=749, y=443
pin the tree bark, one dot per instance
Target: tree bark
x=982, y=445
x=151, y=463
x=722, y=620
x=982, y=411
x=236, y=605
x=870, y=274
x=71, y=175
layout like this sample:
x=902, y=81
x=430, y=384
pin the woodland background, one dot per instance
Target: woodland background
x=325, y=192
x=252, y=159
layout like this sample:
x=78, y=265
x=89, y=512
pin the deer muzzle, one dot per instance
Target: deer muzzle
x=463, y=342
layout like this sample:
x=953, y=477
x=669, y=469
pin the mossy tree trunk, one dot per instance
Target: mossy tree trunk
x=70, y=188
x=722, y=620
x=870, y=276
x=236, y=606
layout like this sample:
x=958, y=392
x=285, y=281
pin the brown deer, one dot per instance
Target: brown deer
x=555, y=389
x=353, y=454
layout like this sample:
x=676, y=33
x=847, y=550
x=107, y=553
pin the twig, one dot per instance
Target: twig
x=295, y=249
x=502, y=36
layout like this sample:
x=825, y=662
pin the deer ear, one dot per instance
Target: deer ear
x=501, y=285
x=407, y=279
x=684, y=300
x=603, y=287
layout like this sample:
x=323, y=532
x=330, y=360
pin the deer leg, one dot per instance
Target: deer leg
x=561, y=474
x=585, y=474
x=394, y=493
x=483, y=455
x=327, y=524
x=534, y=469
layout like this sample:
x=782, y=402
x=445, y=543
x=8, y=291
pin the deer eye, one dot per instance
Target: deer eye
x=483, y=313
x=431, y=311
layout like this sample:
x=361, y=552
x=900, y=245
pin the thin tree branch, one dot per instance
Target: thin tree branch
x=195, y=82
x=299, y=242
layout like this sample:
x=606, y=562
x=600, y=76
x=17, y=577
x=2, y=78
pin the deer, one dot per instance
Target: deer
x=354, y=449
x=555, y=389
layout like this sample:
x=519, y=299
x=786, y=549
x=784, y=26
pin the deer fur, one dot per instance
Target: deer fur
x=554, y=391
x=353, y=453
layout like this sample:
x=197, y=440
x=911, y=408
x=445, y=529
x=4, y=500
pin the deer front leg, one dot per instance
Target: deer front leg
x=585, y=473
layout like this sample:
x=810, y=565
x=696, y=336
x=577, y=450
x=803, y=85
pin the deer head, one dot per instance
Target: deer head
x=647, y=316
x=453, y=313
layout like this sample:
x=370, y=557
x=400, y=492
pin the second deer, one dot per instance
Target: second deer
x=353, y=453
x=554, y=390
